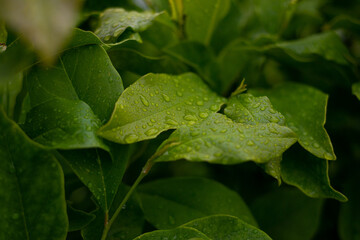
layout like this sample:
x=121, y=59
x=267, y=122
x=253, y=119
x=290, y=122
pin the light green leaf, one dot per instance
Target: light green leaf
x=218, y=139
x=181, y=233
x=70, y=101
x=356, y=90
x=202, y=17
x=310, y=175
x=32, y=192
x=304, y=108
x=288, y=214
x=78, y=219
x=185, y=199
x=9, y=90
x=114, y=21
x=100, y=172
x=219, y=227
x=158, y=102
x=45, y=24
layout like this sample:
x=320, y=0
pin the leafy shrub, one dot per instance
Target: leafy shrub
x=180, y=92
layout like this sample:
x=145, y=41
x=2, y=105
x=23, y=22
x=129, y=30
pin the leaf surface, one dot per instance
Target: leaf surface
x=158, y=102
x=356, y=90
x=78, y=219
x=220, y=140
x=181, y=233
x=32, y=192
x=304, y=108
x=185, y=199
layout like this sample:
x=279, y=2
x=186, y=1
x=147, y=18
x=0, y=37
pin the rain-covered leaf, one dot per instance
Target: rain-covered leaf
x=70, y=101
x=114, y=21
x=78, y=219
x=288, y=214
x=181, y=233
x=32, y=192
x=202, y=17
x=309, y=174
x=100, y=171
x=304, y=108
x=45, y=24
x=218, y=139
x=356, y=90
x=169, y=203
x=158, y=102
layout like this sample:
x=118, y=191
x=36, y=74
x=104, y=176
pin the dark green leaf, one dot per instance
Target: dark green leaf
x=9, y=90
x=158, y=102
x=356, y=90
x=181, y=233
x=304, y=108
x=169, y=203
x=218, y=139
x=32, y=192
x=288, y=214
x=78, y=219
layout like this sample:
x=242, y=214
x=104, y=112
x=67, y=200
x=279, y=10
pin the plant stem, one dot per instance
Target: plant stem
x=143, y=173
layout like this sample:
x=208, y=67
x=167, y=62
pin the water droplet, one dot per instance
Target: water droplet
x=194, y=133
x=223, y=130
x=171, y=122
x=117, y=32
x=256, y=105
x=199, y=103
x=274, y=119
x=190, y=118
x=316, y=145
x=152, y=120
x=272, y=111
x=151, y=131
x=166, y=97
x=131, y=138
x=328, y=156
x=179, y=93
x=203, y=115
x=250, y=143
x=262, y=108
x=144, y=101
x=214, y=107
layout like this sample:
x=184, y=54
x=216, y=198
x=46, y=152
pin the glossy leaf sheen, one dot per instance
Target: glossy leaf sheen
x=31, y=188
x=158, y=102
x=181, y=233
x=356, y=90
x=304, y=108
x=220, y=140
x=70, y=101
x=185, y=199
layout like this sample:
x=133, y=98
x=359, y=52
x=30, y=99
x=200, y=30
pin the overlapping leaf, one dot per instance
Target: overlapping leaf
x=218, y=139
x=32, y=188
x=185, y=199
x=158, y=102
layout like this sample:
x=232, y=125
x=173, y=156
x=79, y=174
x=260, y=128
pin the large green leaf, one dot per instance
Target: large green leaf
x=309, y=174
x=218, y=139
x=185, y=199
x=158, y=102
x=114, y=21
x=304, y=108
x=70, y=101
x=32, y=192
x=215, y=227
x=45, y=24
x=356, y=90
x=202, y=17
x=288, y=214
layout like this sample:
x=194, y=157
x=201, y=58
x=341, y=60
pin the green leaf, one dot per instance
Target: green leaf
x=3, y=36
x=185, y=199
x=156, y=103
x=288, y=214
x=218, y=139
x=202, y=17
x=70, y=101
x=219, y=227
x=78, y=219
x=9, y=90
x=356, y=90
x=100, y=172
x=181, y=233
x=304, y=108
x=32, y=192
x=310, y=175
x=114, y=21
x=45, y=24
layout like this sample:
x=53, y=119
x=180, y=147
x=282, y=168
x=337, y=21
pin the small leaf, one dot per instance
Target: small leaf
x=310, y=175
x=70, y=101
x=9, y=90
x=114, y=21
x=185, y=199
x=202, y=17
x=45, y=24
x=156, y=103
x=356, y=90
x=219, y=227
x=304, y=108
x=288, y=214
x=181, y=233
x=78, y=219
x=218, y=139
x=32, y=192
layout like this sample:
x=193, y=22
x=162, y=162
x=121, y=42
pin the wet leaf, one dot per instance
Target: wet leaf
x=158, y=102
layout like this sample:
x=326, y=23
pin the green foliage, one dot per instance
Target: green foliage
x=208, y=98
